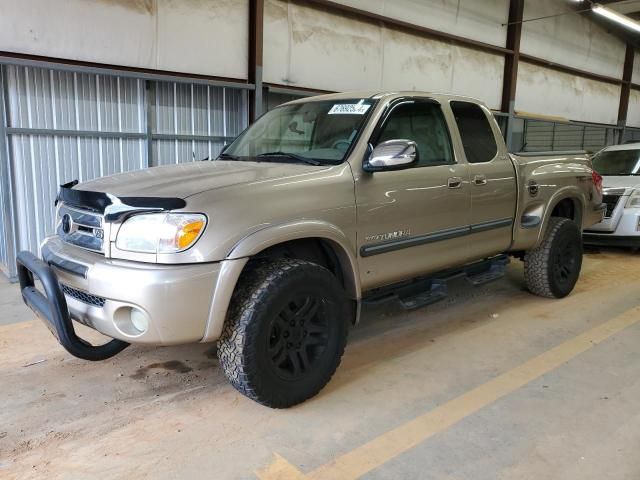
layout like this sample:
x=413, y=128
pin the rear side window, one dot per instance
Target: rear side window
x=475, y=130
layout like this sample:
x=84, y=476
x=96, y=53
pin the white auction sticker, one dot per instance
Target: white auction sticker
x=349, y=109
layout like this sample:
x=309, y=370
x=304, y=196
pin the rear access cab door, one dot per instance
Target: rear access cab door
x=494, y=187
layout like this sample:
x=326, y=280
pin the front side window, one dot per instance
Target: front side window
x=617, y=162
x=423, y=123
x=321, y=131
x=476, y=133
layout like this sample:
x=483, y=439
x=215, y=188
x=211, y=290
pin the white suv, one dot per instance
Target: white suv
x=620, y=167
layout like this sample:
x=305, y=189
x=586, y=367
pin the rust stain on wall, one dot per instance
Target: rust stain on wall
x=332, y=33
x=423, y=55
x=275, y=9
x=212, y=8
x=141, y=6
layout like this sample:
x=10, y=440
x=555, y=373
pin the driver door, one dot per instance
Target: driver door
x=411, y=222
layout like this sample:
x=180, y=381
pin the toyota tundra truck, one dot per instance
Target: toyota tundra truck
x=322, y=205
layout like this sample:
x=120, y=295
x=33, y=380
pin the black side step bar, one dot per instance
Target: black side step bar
x=424, y=291
x=52, y=309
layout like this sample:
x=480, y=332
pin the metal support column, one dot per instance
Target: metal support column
x=256, y=31
x=148, y=104
x=625, y=90
x=510, y=78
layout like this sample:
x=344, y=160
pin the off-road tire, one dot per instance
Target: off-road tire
x=255, y=312
x=552, y=269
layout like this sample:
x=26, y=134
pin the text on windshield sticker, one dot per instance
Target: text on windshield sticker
x=349, y=109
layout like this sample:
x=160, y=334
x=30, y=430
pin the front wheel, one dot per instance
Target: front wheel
x=552, y=269
x=285, y=332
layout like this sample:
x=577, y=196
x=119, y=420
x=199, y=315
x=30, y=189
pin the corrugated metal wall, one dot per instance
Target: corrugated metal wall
x=6, y=217
x=539, y=135
x=40, y=101
x=631, y=135
x=192, y=122
x=65, y=125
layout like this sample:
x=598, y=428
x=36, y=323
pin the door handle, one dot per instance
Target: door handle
x=454, y=182
x=480, y=180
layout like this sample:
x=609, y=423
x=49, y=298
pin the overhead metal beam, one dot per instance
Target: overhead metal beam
x=38, y=61
x=292, y=90
x=256, y=39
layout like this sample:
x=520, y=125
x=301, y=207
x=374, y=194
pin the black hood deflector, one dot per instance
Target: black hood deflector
x=115, y=208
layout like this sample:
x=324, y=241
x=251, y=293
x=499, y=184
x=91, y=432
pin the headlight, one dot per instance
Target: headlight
x=634, y=200
x=160, y=232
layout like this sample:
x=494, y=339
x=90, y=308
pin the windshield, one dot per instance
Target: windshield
x=617, y=162
x=319, y=131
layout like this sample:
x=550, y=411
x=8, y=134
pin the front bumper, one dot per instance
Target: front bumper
x=622, y=230
x=600, y=240
x=173, y=301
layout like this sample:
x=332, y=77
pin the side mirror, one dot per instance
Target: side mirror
x=392, y=155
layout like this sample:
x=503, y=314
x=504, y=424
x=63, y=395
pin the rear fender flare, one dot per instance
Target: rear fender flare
x=572, y=193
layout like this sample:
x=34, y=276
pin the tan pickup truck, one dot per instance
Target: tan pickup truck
x=319, y=206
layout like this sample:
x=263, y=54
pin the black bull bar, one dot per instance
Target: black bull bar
x=51, y=307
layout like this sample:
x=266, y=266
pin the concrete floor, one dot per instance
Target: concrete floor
x=492, y=383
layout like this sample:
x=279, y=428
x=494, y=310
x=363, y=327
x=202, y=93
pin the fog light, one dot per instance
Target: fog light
x=131, y=321
x=139, y=320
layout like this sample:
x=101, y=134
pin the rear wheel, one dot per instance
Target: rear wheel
x=285, y=333
x=552, y=269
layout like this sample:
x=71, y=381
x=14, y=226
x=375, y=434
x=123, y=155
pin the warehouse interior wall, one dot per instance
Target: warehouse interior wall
x=548, y=92
x=473, y=19
x=306, y=46
x=95, y=87
x=191, y=36
x=633, y=118
x=570, y=39
x=311, y=48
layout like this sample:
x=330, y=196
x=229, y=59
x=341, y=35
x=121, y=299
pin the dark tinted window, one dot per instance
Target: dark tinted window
x=475, y=130
x=422, y=122
x=617, y=162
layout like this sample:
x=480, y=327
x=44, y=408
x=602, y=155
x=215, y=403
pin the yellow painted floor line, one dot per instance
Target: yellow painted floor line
x=389, y=445
x=280, y=469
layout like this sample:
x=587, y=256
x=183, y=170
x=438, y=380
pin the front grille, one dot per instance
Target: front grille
x=81, y=227
x=83, y=297
x=612, y=202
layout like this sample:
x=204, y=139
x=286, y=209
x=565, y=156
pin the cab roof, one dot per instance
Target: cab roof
x=626, y=146
x=378, y=95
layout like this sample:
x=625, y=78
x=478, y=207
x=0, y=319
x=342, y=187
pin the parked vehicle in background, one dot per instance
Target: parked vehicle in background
x=319, y=206
x=619, y=166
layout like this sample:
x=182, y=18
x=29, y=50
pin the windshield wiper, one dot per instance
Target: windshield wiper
x=228, y=156
x=294, y=156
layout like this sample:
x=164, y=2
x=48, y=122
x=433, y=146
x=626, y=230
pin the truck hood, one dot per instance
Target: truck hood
x=187, y=179
x=627, y=182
